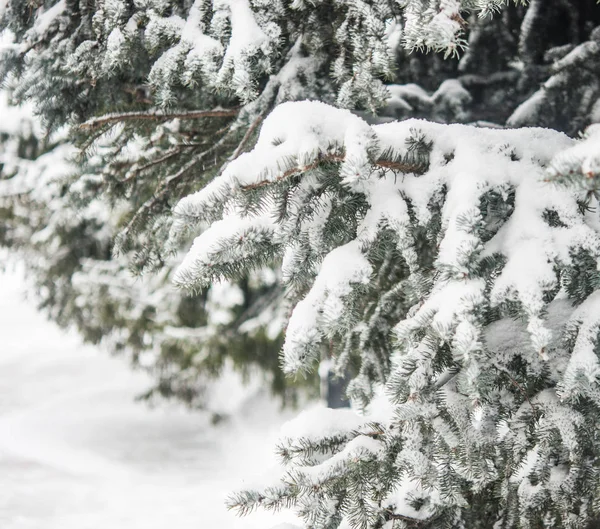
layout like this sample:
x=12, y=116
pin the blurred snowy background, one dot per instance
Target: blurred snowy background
x=77, y=451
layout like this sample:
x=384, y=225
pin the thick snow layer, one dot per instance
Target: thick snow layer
x=343, y=266
x=321, y=422
x=466, y=162
x=77, y=452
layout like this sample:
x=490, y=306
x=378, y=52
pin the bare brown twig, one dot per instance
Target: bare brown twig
x=336, y=158
x=163, y=189
x=136, y=171
x=246, y=137
x=154, y=115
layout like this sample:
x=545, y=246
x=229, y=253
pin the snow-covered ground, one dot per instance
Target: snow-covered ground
x=77, y=452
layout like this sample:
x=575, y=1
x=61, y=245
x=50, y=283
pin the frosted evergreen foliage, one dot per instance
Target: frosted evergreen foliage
x=62, y=229
x=164, y=92
x=569, y=98
x=439, y=266
x=231, y=45
x=580, y=165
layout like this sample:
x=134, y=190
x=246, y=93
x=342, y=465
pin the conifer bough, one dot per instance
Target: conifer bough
x=464, y=295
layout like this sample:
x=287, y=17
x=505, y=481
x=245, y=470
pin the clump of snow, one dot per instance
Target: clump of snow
x=114, y=49
x=322, y=422
x=399, y=500
x=584, y=363
x=45, y=18
x=245, y=31
x=342, y=267
x=193, y=35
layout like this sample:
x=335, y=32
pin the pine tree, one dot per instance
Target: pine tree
x=450, y=270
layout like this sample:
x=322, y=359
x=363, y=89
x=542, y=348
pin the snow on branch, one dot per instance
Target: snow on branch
x=315, y=134
x=408, y=173
x=579, y=165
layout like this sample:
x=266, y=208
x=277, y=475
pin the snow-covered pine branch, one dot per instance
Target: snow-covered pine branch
x=573, y=89
x=118, y=61
x=451, y=283
x=580, y=165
